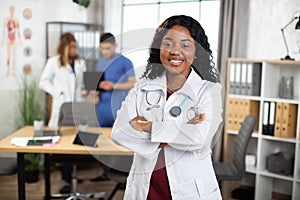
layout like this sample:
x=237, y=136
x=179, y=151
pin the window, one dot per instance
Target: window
x=142, y=17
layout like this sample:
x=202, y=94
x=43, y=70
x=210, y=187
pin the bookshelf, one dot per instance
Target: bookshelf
x=267, y=185
x=87, y=36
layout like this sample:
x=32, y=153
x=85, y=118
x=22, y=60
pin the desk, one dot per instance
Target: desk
x=105, y=147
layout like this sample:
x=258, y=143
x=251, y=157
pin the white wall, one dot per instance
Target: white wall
x=263, y=36
x=113, y=16
x=266, y=18
x=43, y=11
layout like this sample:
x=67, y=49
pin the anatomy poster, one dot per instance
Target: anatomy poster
x=20, y=42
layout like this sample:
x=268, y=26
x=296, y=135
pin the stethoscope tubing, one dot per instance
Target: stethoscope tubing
x=175, y=111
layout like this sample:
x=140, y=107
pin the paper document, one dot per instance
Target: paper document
x=23, y=141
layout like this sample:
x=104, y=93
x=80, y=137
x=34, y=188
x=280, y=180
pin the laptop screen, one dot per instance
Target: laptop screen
x=43, y=133
x=86, y=138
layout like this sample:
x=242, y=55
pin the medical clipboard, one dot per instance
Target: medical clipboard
x=92, y=79
x=86, y=138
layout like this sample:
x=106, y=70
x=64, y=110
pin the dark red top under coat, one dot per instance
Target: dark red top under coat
x=159, y=184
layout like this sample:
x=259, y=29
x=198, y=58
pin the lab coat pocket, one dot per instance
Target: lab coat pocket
x=187, y=190
x=207, y=193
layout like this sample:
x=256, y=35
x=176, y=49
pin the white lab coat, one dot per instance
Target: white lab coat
x=188, y=161
x=61, y=83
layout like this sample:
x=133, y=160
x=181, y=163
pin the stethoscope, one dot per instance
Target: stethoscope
x=175, y=111
x=154, y=104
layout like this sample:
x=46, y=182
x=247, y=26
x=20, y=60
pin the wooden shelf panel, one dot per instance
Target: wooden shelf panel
x=278, y=176
x=254, y=98
x=268, y=137
x=232, y=132
x=291, y=101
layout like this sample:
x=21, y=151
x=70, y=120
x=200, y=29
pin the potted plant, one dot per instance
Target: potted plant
x=32, y=167
x=30, y=111
x=83, y=124
x=30, y=106
x=84, y=3
x=38, y=123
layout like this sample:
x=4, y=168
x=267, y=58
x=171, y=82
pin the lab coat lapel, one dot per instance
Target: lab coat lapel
x=189, y=88
x=160, y=83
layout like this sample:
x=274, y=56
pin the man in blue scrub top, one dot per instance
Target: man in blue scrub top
x=119, y=78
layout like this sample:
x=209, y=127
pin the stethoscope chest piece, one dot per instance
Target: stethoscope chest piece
x=175, y=111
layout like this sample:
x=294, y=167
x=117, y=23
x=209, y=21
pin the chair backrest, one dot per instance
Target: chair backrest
x=72, y=113
x=241, y=143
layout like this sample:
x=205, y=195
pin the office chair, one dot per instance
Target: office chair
x=117, y=169
x=236, y=169
x=71, y=114
x=8, y=166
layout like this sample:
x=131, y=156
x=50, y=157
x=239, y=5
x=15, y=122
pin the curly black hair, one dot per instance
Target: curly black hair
x=203, y=63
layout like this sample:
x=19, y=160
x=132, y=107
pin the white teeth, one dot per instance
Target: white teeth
x=176, y=61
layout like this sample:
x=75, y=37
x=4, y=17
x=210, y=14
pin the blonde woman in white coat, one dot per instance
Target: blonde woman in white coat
x=170, y=117
x=62, y=77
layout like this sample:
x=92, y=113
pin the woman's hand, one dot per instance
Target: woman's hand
x=141, y=124
x=198, y=119
x=84, y=93
x=93, y=92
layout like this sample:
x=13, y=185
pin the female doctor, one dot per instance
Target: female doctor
x=170, y=117
x=62, y=77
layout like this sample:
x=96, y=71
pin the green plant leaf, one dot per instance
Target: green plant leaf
x=84, y=3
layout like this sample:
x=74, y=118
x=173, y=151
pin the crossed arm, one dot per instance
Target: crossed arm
x=141, y=124
x=144, y=137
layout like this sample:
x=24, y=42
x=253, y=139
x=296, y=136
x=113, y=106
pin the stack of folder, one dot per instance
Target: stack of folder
x=268, y=118
x=279, y=119
x=245, y=78
x=238, y=109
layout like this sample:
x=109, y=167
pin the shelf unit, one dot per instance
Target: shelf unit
x=87, y=36
x=267, y=184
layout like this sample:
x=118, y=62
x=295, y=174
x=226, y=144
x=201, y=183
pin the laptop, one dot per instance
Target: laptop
x=86, y=138
x=92, y=80
x=46, y=133
x=42, y=137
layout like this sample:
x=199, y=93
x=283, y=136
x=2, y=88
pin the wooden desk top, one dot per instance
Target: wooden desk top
x=105, y=145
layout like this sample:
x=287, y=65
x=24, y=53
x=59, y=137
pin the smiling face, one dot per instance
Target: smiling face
x=177, y=50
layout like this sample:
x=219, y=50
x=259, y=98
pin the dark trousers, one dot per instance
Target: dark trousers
x=66, y=172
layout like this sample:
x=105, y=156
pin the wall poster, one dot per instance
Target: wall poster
x=20, y=42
